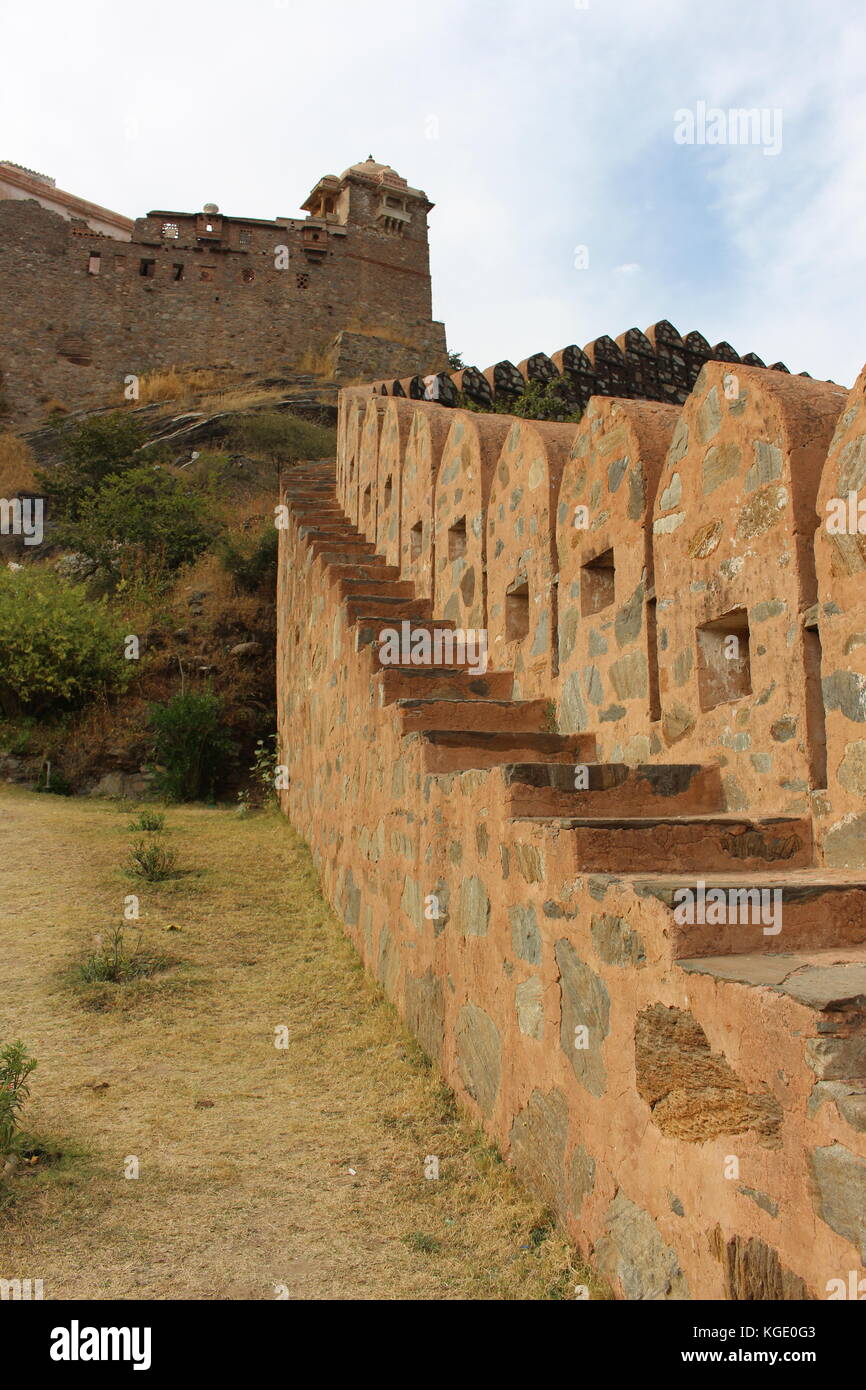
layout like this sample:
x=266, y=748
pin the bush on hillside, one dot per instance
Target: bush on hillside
x=251, y=560
x=92, y=450
x=283, y=437
x=141, y=524
x=58, y=646
x=192, y=750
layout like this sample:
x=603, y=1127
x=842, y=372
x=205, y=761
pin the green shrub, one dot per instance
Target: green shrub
x=92, y=450
x=251, y=562
x=15, y=1068
x=191, y=749
x=152, y=822
x=58, y=646
x=262, y=790
x=552, y=401
x=114, y=962
x=151, y=860
x=140, y=525
x=283, y=437
x=53, y=782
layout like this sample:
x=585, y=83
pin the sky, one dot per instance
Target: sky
x=572, y=196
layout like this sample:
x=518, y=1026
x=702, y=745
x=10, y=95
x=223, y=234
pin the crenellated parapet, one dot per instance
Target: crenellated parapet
x=658, y=365
x=654, y=570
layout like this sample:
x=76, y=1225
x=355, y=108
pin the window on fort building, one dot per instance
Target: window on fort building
x=93, y=263
x=416, y=536
x=170, y=230
x=517, y=611
x=248, y=275
x=147, y=269
x=245, y=237
x=457, y=539
x=597, y=584
x=177, y=272
x=724, y=670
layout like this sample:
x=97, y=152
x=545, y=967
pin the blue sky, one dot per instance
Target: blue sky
x=534, y=128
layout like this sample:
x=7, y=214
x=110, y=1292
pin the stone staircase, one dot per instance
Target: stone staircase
x=656, y=828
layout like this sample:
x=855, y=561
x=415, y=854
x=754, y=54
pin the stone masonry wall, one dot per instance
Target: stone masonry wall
x=508, y=849
x=82, y=311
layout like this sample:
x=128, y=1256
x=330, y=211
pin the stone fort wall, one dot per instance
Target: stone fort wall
x=509, y=847
x=81, y=310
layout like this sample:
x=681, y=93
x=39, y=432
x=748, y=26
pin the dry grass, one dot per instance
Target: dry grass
x=242, y=398
x=258, y=1167
x=178, y=384
x=16, y=465
x=317, y=362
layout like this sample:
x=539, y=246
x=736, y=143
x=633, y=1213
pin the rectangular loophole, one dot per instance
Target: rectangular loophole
x=147, y=269
x=457, y=539
x=177, y=271
x=815, y=713
x=517, y=611
x=416, y=536
x=597, y=584
x=724, y=669
x=367, y=500
x=388, y=492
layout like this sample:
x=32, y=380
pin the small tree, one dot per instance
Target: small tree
x=284, y=438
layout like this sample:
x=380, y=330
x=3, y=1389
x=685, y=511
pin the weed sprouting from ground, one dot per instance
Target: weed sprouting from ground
x=114, y=961
x=16, y=1065
x=151, y=822
x=152, y=861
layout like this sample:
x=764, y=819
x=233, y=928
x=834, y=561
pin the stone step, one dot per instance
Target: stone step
x=333, y=536
x=441, y=683
x=490, y=716
x=341, y=566
x=372, y=572
x=317, y=512
x=628, y=844
x=326, y=545
x=374, y=608
x=813, y=909
x=457, y=750
x=374, y=589
x=611, y=789
x=312, y=516
x=370, y=631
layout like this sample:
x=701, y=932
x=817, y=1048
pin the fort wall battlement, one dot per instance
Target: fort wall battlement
x=658, y=365
x=615, y=878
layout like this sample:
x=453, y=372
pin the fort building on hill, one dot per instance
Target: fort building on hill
x=88, y=297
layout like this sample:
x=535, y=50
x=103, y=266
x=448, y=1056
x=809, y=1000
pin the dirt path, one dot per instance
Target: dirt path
x=246, y=1152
